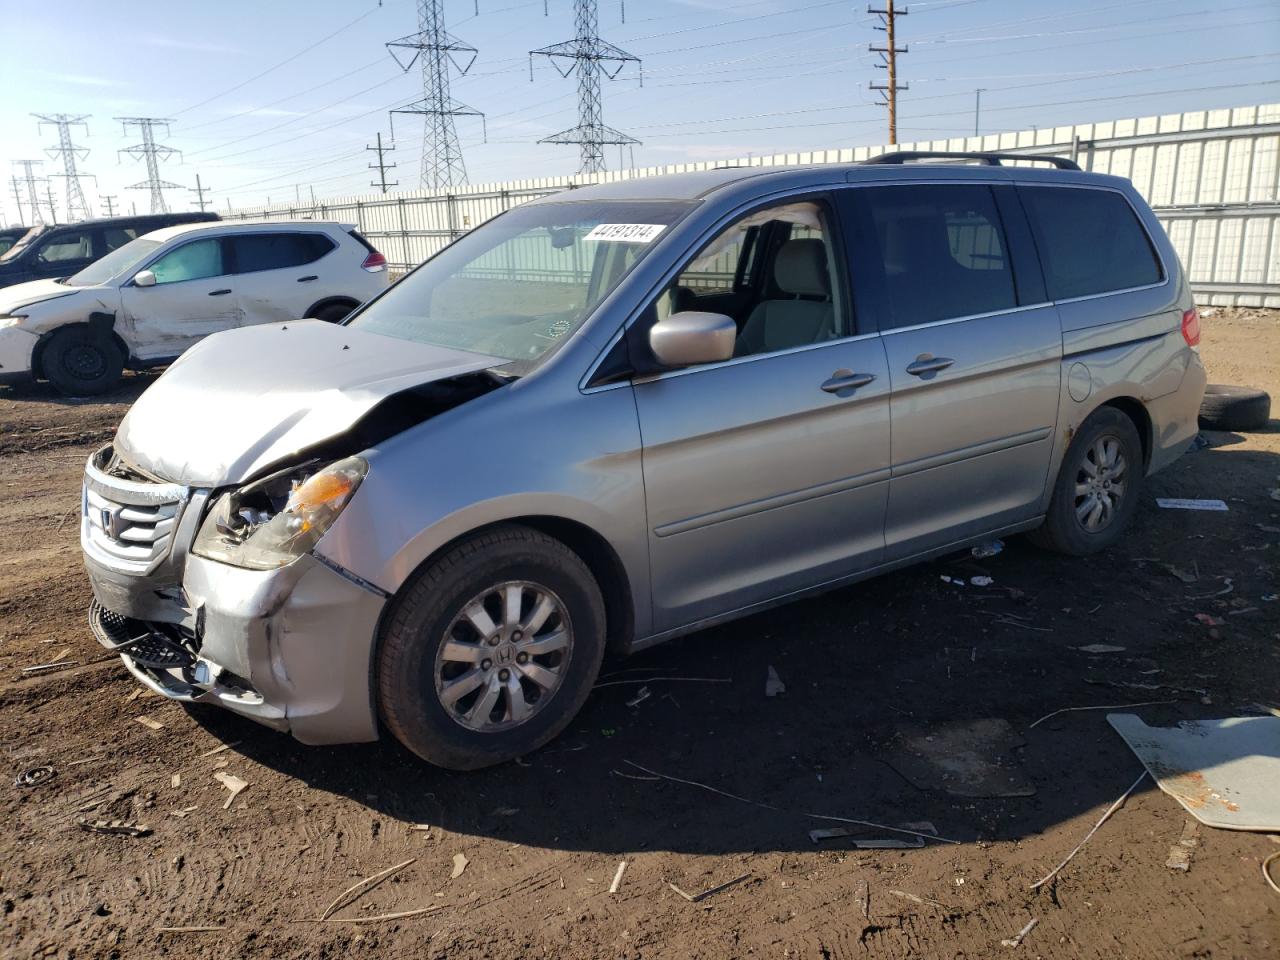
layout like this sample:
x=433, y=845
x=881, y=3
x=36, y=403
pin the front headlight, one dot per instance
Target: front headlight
x=274, y=521
x=7, y=321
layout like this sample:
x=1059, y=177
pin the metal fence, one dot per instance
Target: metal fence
x=1212, y=177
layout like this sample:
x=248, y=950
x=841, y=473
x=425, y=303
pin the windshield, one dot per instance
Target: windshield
x=23, y=242
x=117, y=263
x=521, y=283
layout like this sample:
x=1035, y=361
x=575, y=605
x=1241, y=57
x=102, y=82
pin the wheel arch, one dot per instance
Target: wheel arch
x=336, y=301
x=95, y=320
x=1134, y=409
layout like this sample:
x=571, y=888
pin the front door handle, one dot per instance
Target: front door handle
x=308, y=279
x=218, y=293
x=843, y=380
x=926, y=365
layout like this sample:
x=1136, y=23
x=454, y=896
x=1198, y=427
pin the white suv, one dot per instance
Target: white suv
x=145, y=303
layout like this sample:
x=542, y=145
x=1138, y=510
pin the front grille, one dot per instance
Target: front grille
x=128, y=524
x=144, y=644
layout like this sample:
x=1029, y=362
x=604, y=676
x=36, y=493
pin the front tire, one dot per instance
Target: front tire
x=491, y=650
x=1097, y=489
x=82, y=362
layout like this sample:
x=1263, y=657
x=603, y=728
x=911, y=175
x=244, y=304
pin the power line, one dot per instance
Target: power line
x=152, y=153
x=592, y=58
x=435, y=49
x=889, y=61
x=77, y=207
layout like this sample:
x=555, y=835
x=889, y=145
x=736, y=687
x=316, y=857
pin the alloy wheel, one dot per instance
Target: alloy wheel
x=1100, y=483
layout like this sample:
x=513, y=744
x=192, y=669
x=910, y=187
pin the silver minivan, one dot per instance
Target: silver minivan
x=620, y=414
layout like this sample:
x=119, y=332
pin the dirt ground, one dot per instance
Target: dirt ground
x=865, y=668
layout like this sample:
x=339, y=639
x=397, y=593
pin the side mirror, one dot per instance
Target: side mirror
x=144, y=278
x=693, y=337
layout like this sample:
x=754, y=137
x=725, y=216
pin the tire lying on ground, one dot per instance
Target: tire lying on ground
x=1234, y=408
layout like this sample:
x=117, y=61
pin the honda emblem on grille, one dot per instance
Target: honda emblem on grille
x=109, y=519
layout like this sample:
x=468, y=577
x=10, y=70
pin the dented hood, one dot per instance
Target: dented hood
x=242, y=400
x=25, y=294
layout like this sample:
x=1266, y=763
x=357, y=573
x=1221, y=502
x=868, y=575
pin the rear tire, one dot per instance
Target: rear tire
x=82, y=362
x=1096, y=493
x=1234, y=408
x=523, y=676
x=334, y=312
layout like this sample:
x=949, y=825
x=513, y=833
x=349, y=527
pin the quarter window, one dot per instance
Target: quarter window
x=197, y=260
x=943, y=251
x=118, y=236
x=67, y=246
x=1090, y=241
x=278, y=251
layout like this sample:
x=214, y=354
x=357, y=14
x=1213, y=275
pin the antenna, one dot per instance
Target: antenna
x=592, y=58
x=152, y=153
x=435, y=49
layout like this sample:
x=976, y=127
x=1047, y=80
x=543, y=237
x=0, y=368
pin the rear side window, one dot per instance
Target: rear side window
x=1090, y=241
x=118, y=236
x=277, y=251
x=943, y=250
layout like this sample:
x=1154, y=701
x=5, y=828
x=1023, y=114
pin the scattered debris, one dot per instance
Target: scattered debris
x=696, y=897
x=1223, y=772
x=885, y=843
x=34, y=777
x=773, y=684
x=360, y=888
x=966, y=759
x=1121, y=706
x=616, y=683
x=149, y=723
x=175, y=780
x=632, y=776
x=183, y=812
x=1209, y=620
x=1186, y=576
x=219, y=749
x=50, y=667
x=420, y=827
x=1105, y=817
x=402, y=915
x=617, y=877
x=60, y=655
x=639, y=698
x=1267, y=528
x=902, y=894
x=1217, y=593
x=1178, y=503
x=981, y=581
x=989, y=549
x=958, y=581
x=1018, y=937
x=232, y=783
x=506, y=811
x=137, y=692
x=113, y=826
x=1266, y=871
x=1101, y=648
x=1180, y=852
x=460, y=862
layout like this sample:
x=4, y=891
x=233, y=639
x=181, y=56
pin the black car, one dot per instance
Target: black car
x=9, y=236
x=64, y=249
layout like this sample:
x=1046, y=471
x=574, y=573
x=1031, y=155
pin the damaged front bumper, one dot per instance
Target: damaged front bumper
x=16, y=349
x=291, y=647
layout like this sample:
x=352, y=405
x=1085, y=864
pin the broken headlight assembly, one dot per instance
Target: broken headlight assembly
x=277, y=519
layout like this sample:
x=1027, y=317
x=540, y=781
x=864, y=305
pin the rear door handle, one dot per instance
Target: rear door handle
x=307, y=279
x=926, y=365
x=843, y=380
x=218, y=293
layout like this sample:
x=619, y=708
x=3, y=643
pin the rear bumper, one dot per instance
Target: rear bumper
x=1175, y=417
x=291, y=648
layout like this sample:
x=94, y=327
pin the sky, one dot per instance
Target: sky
x=272, y=99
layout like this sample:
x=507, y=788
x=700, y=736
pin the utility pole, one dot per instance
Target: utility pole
x=977, y=108
x=382, y=166
x=77, y=206
x=889, y=61
x=30, y=179
x=592, y=58
x=200, y=190
x=109, y=201
x=17, y=199
x=53, y=210
x=434, y=48
x=152, y=153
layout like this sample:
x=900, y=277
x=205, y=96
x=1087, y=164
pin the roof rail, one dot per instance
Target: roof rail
x=990, y=159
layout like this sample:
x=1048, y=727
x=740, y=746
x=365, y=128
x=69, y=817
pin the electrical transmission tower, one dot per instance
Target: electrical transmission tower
x=434, y=48
x=889, y=61
x=153, y=153
x=382, y=166
x=592, y=58
x=77, y=206
x=30, y=179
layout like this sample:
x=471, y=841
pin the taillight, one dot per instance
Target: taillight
x=376, y=263
x=1191, y=327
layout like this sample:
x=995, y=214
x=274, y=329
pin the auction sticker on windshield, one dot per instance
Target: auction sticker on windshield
x=626, y=232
